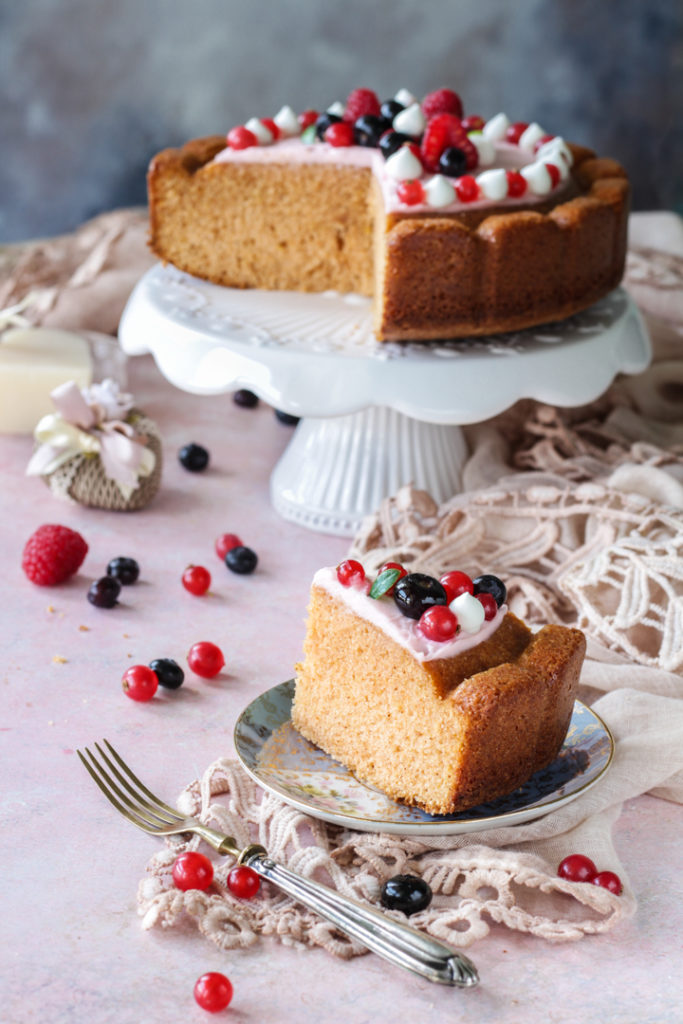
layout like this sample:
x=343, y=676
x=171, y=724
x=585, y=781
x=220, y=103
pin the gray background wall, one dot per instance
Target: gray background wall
x=90, y=89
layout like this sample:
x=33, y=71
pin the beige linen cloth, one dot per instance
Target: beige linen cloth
x=581, y=512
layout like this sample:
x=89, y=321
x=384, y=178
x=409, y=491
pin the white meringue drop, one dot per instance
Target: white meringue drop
x=403, y=165
x=496, y=127
x=260, y=130
x=537, y=178
x=469, y=612
x=410, y=121
x=439, y=191
x=493, y=183
x=287, y=121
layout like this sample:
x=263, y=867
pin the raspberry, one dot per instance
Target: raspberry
x=442, y=131
x=443, y=101
x=361, y=101
x=307, y=118
x=52, y=554
x=473, y=123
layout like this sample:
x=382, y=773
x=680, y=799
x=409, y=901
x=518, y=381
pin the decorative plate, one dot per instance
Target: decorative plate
x=280, y=760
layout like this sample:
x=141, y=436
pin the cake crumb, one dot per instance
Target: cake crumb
x=84, y=629
x=50, y=608
x=59, y=659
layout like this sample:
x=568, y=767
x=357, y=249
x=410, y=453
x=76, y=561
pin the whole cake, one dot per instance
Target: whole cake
x=431, y=689
x=457, y=226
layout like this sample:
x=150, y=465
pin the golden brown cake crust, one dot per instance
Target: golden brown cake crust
x=368, y=703
x=310, y=228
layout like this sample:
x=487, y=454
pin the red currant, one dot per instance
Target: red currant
x=205, y=659
x=213, y=991
x=307, y=118
x=608, y=880
x=515, y=131
x=554, y=173
x=439, y=623
x=340, y=133
x=466, y=188
x=577, y=868
x=192, y=870
x=516, y=184
x=542, y=141
x=473, y=123
x=350, y=573
x=456, y=583
x=196, y=579
x=490, y=606
x=410, y=192
x=241, y=138
x=272, y=127
x=243, y=882
x=139, y=682
x=226, y=542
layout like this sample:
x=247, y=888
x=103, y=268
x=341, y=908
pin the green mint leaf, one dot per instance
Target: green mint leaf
x=308, y=134
x=384, y=582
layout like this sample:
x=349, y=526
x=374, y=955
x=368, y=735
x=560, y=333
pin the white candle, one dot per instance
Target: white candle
x=33, y=361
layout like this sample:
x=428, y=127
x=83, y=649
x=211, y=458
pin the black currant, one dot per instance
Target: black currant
x=390, y=108
x=368, y=129
x=407, y=893
x=194, y=457
x=391, y=141
x=286, y=418
x=104, y=593
x=417, y=592
x=453, y=162
x=241, y=560
x=324, y=122
x=245, y=398
x=168, y=672
x=125, y=570
x=488, y=584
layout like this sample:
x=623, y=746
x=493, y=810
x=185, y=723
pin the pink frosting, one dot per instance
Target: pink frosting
x=384, y=614
x=294, y=151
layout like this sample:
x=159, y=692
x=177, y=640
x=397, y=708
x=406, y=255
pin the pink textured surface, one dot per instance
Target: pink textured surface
x=73, y=947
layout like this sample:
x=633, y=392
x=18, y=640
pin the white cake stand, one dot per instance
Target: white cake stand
x=375, y=416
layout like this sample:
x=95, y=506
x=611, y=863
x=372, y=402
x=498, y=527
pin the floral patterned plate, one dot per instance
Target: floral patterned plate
x=280, y=760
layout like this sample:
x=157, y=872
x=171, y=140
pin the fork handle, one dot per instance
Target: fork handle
x=401, y=945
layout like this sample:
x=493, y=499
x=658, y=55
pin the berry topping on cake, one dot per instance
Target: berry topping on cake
x=473, y=123
x=489, y=605
x=515, y=131
x=453, y=162
x=456, y=583
x=52, y=554
x=406, y=893
x=442, y=101
x=260, y=129
x=543, y=141
x=554, y=173
x=241, y=138
x=323, y=123
x=272, y=126
x=350, y=573
x=488, y=584
x=307, y=118
x=339, y=133
x=396, y=566
x=369, y=129
x=391, y=141
x=439, y=623
x=390, y=108
x=417, y=592
x=442, y=131
x=360, y=102
x=466, y=189
x=411, y=193
x=516, y=184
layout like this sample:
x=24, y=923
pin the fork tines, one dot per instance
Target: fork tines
x=124, y=790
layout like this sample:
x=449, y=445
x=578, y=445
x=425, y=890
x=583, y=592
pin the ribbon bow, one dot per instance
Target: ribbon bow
x=92, y=422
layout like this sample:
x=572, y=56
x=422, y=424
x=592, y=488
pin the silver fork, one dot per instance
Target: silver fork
x=401, y=945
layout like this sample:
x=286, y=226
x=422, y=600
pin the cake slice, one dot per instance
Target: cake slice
x=441, y=724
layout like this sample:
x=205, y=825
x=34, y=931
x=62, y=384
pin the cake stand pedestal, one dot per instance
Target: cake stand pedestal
x=374, y=415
